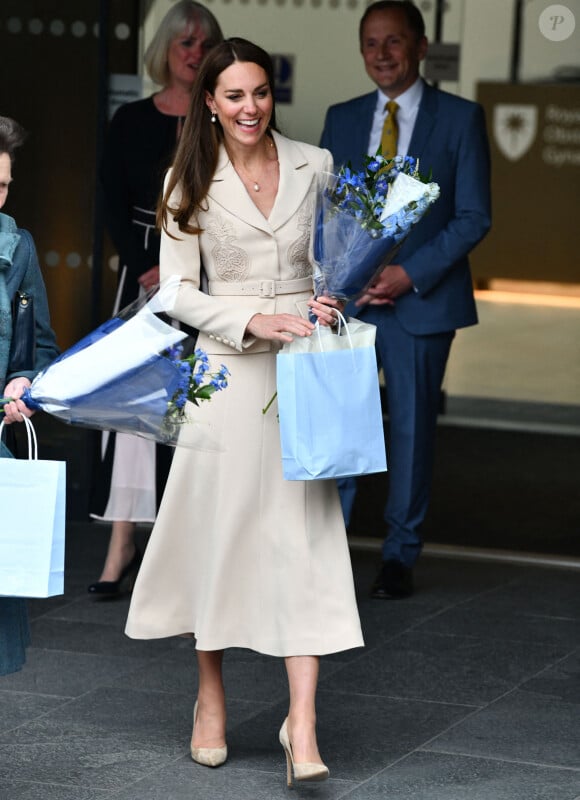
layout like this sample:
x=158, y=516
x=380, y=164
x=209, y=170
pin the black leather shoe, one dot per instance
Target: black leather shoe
x=394, y=580
x=107, y=590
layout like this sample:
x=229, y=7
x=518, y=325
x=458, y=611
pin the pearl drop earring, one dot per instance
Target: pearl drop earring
x=213, y=117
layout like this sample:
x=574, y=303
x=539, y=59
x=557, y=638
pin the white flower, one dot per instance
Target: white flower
x=433, y=191
x=404, y=190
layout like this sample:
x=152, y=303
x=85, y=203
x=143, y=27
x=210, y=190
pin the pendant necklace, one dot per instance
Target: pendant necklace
x=255, y=185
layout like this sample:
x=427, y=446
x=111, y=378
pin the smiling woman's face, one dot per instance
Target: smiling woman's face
x=185, y=54
x=5, y=176
x=243, y=103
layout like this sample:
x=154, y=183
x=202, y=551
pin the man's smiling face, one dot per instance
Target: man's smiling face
x=391, y=51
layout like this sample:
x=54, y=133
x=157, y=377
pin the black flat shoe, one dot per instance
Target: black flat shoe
x=110, y=589
x=393, y=581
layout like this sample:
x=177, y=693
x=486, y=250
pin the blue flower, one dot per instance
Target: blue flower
x=174, y=352
x=196, y=383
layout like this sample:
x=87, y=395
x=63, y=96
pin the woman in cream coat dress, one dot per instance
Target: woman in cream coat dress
x=239, y=556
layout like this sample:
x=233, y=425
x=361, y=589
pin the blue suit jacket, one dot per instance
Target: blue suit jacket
x=450, y=140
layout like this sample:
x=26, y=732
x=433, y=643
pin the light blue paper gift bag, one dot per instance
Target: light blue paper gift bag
x=32, y=524
x=331, y=422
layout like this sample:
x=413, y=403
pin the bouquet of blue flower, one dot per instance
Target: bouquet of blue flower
x=362, y=219
x=196, y=383
x=128, y=375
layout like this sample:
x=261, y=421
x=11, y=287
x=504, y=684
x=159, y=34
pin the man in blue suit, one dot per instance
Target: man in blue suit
x=419, y=302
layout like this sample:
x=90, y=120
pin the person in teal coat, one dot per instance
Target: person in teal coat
x=19, y=271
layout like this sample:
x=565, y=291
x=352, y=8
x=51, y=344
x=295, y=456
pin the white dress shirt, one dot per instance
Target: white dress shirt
x=408, y=103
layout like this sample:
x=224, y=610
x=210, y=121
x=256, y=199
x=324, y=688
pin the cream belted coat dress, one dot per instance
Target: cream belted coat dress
x=239, y=556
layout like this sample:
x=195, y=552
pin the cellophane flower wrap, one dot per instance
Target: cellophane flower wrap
x=133, y=374
x=362, y=219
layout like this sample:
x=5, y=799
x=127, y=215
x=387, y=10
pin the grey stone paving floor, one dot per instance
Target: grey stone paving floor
x=470, y=689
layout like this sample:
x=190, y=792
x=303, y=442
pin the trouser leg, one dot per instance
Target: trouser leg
x=414, y=367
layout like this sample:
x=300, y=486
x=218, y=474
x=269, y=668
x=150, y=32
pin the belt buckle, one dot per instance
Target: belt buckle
x=267, y=289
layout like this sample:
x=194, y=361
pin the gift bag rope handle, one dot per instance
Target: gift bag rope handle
x=341, y=323
x=339, y=331
x=30, y=435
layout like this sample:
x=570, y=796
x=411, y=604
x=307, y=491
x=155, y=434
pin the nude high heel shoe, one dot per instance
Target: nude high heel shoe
x=304, y=771
x=208, y=756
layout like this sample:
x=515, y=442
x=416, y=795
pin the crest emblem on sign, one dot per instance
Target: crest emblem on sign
x=514, y=129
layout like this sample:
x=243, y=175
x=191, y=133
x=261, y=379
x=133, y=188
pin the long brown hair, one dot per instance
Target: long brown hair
x=197, y=153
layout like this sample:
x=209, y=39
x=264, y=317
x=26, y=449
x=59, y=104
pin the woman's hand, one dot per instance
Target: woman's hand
x=16, y=410
x=324, y=307
x=279, y=327
x=149, y=279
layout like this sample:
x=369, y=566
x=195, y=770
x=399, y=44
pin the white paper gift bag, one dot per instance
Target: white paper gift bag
x=32, y=527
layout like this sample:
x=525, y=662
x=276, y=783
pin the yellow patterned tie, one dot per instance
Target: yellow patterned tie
x=390, y=133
